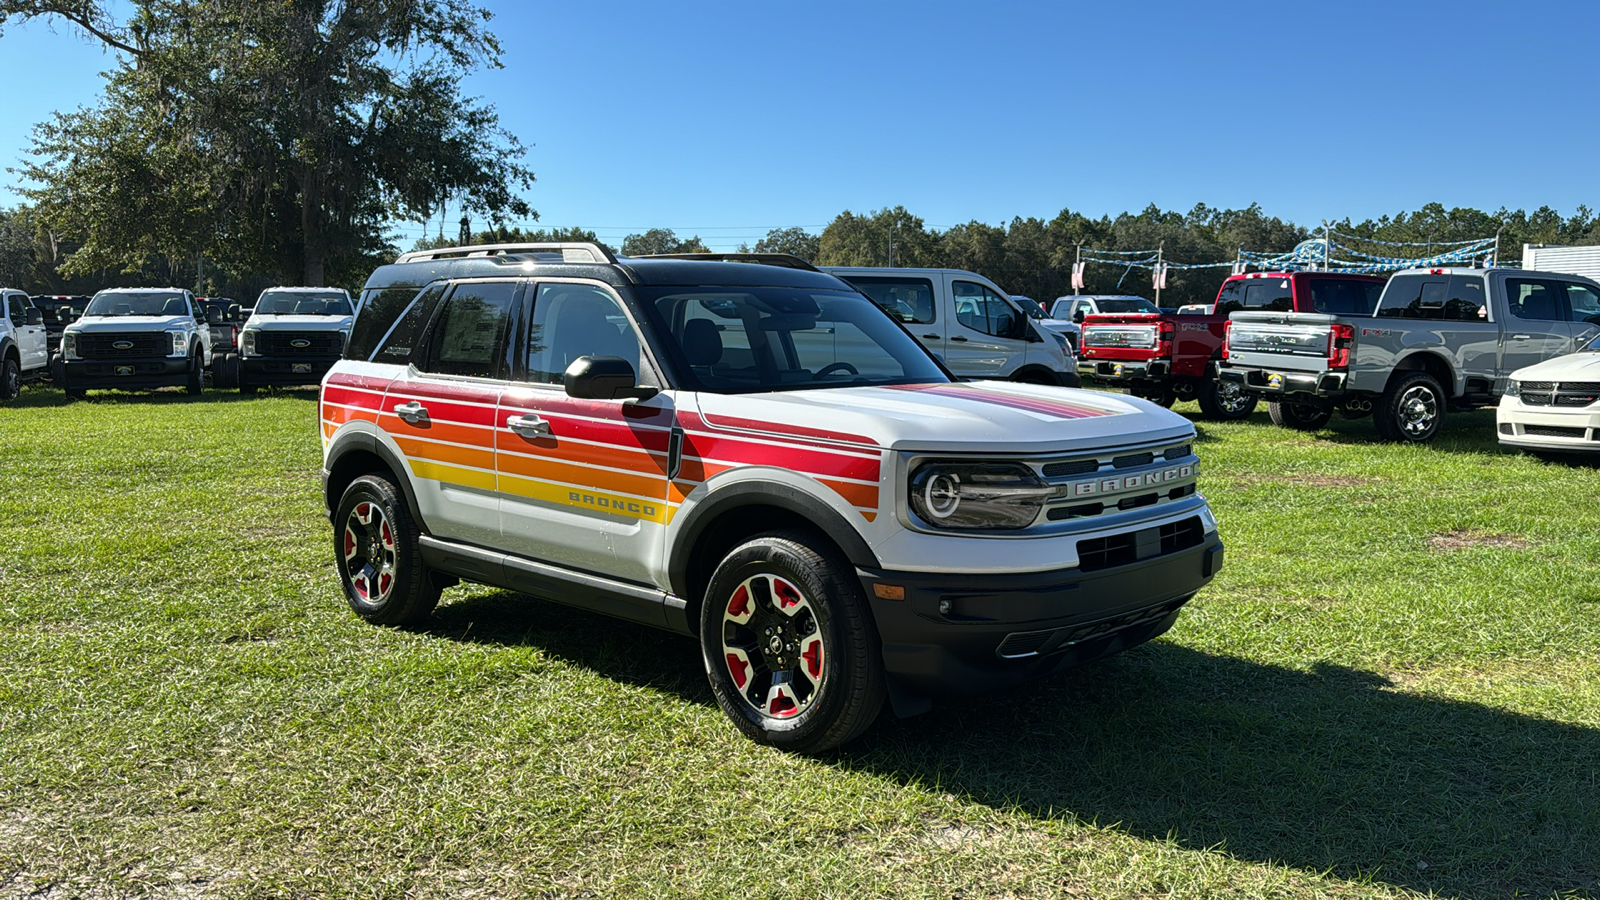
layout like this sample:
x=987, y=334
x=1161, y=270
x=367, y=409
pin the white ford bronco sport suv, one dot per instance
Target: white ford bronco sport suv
x=293, y=336
x=756, y=455
x=137, y=338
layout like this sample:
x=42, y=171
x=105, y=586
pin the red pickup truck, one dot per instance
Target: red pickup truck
x=1167, y=357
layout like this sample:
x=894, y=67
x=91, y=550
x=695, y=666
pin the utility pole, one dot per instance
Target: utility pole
x=1159, y=250
x=1494, y=255
x=1077, y=264
x=1327, y=245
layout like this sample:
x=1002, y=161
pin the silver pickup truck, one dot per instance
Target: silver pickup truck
x=1441, y=339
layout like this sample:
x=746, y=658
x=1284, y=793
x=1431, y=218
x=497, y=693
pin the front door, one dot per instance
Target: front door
x=33, y=342
x=583, y=483
x=980, y=339
x=441, y=410
x=1537, y=329
x=1583, y=314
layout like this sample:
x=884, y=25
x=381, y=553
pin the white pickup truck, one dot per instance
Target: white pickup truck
x=1441, y=339
x=137, y=338
x=24, y=343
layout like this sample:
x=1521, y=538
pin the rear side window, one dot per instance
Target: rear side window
x=1534, y=299
x=1413, y=297
x=1338, y=297
x=1271, y=294
x=404, y=325
x=907, y=299
x=469, y=337
x=379, y=311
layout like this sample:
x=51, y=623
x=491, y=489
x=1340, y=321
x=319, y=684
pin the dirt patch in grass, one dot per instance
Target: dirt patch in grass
x=1460, y=539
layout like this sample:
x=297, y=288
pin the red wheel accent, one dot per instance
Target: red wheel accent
x=349, y=543
x=813, y=659
x=384, y=581
x=386, y=535
x=739, y=606
x=739, y=668
x=360, y=584
x=780, y=705
x=788, y=597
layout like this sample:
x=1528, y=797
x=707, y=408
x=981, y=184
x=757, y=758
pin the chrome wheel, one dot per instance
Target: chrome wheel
x=1231, y=398
x=369, y=553
x=772, y=646
x=1417, y=410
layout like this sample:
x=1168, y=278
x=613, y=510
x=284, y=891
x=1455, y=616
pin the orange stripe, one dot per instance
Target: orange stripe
x=610, y=455
x=854, y=494
x=639, y=485
x=447, y=453
x=699, y=470
x=438, y=431
x=869, y=516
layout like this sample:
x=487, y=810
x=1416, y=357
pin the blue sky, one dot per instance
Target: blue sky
x=728, y=119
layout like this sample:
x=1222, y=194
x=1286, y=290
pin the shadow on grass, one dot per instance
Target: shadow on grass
x=1324, y=770
x=46, y=397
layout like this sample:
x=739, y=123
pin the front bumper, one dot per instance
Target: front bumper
x=127, y=373
x=1547, y=428
x=970, y=634
x=1118, y=371
x=1277, y=383
x=286, y=370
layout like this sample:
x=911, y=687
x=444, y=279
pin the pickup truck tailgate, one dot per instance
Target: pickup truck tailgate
x=1122, y=336
x=1297, y=342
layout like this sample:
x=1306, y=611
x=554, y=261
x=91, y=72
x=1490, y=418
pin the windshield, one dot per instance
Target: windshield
x=1030, y=306
x=137, y=303
x=1126, y=305
x=738, y=340
x=304, y=303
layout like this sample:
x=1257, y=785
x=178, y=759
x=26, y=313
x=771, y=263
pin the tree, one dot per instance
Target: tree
x=275, y=137
x=878, y=239
x=793, y=241
x=503, y=235
x=661, y=240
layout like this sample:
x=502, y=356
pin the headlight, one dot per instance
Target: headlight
x=247, y=343
x=180, y=342
x=1513, y=388
x=1062, y=340
x=69, y=346
x=952, y=494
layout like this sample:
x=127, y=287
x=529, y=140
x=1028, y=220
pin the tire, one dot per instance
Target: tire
x=1299, y=415
x=1224, y=401
x=1163, y=399
x=225, y=372
x=10, y=378
x=197, y=373
x=380, y=563
x=789, y=644
x=58, y=370
x=1411, y=409
x=1033, y=376
x=245, y=387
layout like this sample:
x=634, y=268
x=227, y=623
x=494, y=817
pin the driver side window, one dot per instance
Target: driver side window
x=1583, y=302
x=16, y=310
x=983, y=310
x=575, y=320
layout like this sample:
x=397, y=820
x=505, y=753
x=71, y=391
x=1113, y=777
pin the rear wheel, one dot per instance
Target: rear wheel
x=225, y=371
x=245, y=387
x=380, y=563
x=1298, y=414
x=10, y=378
x=1225, y=400
x=1411, y=409
x=789, y=644
x=1159, y=398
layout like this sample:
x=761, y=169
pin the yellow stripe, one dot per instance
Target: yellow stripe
x=453, y=474
x=587, y=499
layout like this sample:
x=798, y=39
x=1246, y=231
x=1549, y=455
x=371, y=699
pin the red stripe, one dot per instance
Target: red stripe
x=785, y=428
x=440, y=410
x=1057, y=408
x=700, y=446
x=557, y=403
x=347, y=397
x=370, y=382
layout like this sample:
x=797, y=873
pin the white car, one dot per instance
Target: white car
x=1553, y=405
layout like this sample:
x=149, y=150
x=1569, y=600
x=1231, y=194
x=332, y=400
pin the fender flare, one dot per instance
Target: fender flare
x=7, y=345
x=756, y=493
x=362, y=442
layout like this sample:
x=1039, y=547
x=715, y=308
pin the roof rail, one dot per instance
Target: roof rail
x=786, y=260
x=571, y=251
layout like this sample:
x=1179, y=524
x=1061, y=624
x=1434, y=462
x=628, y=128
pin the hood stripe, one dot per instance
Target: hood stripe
x=1059, y=409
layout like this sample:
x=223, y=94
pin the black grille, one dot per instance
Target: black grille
x=1565, y=399
x=1133, y=459
x=1178, y=452
x=1106, y=552
x=1553, y=431
x=1562, y=393
x=1538, y=385
x=1030, y=643
x=1177, y=536
x=1592, y=386
x=1132, y=546
x=299, y=343
x=139, y=344
x=1076, y=467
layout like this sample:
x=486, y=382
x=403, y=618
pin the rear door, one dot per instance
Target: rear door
x=583, y=483
x=981, y=331
x=440, y=411
x=913, y=299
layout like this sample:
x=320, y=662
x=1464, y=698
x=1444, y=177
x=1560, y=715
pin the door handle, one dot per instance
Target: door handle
x=1520, y=337
x=529, y=426
x=930, y=337
x=958, y=338
x=412, y=413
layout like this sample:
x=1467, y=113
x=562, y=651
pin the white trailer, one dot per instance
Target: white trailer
x=1583, y=261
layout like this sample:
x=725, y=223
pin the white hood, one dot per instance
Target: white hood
x=268, y=322
x=982, y=416
x=91, y=324
x=1583, y=366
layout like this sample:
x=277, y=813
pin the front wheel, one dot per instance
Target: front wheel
x=789, y=644
x=375, y=543
x=1299, y=415
x=1225, y=401
x=10, y=378
x=197, y=374
x=1411, y=409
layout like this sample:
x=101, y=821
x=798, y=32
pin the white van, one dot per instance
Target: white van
x=965, y=318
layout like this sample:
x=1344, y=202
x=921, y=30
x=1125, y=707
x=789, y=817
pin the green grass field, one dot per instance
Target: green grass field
x=1393, y=687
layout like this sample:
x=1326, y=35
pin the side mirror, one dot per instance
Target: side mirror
x=1078, y=316
x=35, y=317
x=604, y=378
x=213, y=316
